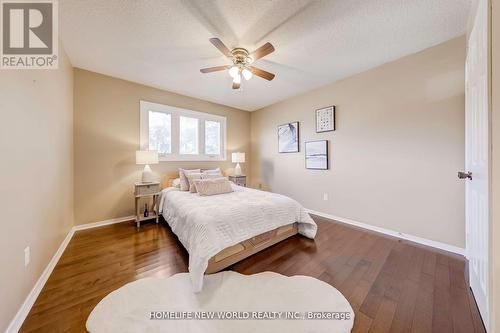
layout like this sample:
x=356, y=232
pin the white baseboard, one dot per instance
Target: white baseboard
x=423, y=241
x=21, y=315
x=103, y=223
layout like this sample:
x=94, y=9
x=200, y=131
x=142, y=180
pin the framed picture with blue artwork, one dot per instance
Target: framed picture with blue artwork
x=288, y=138
x=317, y=155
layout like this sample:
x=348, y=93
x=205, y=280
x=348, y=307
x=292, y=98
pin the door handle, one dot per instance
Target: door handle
x=465, y=175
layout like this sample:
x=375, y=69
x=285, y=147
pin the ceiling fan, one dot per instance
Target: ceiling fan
x=241, y=62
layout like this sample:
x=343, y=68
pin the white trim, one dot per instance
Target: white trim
x=16, y=323
x=175, y=114
x=22, y=313
x=103, y=223
x=416, y=239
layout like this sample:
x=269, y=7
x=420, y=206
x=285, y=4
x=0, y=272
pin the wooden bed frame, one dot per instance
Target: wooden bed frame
x=246, y=248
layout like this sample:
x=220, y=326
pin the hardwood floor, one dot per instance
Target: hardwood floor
x=392, y=285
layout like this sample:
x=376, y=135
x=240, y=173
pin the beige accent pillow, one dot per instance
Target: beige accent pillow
x=192, y=185
x=213, y=186
x=192, y=176
x=176, y=182
x=183, y=177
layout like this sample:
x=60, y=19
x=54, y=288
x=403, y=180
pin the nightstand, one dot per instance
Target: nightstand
x=239, y=180
x=144, y=190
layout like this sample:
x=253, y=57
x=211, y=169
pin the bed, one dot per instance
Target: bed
x=220, y=230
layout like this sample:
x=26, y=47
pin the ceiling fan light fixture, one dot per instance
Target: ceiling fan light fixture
x=247, y=74
x=234, y=71
x=237, y=79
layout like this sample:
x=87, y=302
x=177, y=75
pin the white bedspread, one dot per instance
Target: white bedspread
x=206, y=225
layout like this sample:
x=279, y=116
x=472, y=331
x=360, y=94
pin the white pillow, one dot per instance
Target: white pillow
x=191, y=177
x=213, y=186
x=217, y=172
x=183, y=178
x=176, y=182
x=210, y=176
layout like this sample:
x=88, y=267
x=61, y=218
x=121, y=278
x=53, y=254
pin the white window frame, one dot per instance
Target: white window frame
x=175, y=114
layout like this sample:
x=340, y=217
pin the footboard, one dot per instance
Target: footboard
x=242, y=250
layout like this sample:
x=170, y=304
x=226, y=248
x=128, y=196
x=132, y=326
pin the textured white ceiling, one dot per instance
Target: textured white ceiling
x=164, y=43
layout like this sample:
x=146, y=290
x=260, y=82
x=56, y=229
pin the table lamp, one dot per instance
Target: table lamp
x=146, y=157
x=238, y=158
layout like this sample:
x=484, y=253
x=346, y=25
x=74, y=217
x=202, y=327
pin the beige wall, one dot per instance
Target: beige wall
x=107, y=136
x=36, y=191
x=396, y=151
x=495, y=174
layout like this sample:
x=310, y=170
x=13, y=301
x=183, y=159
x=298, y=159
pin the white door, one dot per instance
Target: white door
x=477, y=157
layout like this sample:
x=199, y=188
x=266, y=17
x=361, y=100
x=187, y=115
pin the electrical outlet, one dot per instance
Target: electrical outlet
x=325, y=196
x=27, y=256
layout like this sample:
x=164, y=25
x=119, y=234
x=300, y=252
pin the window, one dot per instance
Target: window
x=188, y=135
x=212, y=137
x=182, y=135
x=160, y=132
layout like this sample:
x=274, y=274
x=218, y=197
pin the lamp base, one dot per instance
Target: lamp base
x=237, y=170
x=147, y=174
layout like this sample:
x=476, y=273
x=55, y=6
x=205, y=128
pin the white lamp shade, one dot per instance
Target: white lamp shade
x=233, y=71
x=247, y=74
x=238, y=157
x=146, y=157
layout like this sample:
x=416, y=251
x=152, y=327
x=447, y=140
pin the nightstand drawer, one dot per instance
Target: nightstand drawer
x=147, y=189
x=239, y=180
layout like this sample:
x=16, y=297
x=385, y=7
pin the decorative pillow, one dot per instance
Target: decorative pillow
x=210, y=176
x=176, y=182
x=213, y=186
x=216, y=172
x=192, y=176
x=183, y=178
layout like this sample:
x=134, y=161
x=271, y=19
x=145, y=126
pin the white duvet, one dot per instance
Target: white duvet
x=205, y=225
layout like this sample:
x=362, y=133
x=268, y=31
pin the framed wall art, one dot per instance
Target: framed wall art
x=317, y=155
x=288, y=138
x=325, y=119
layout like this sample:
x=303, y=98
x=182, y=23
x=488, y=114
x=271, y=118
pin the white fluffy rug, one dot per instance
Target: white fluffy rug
x=265, y=302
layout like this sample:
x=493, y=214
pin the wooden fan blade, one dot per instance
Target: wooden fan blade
x=262, y=73
x=262, y=51
x=236, y=85
x=220, y=46
x=214, y=69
